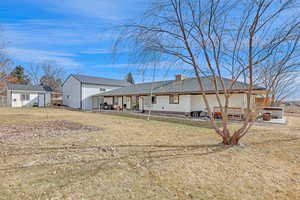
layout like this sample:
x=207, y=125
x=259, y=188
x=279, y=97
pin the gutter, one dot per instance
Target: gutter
x=29, y=91
x=179, y=93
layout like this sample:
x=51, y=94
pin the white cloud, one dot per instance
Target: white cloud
x=163, y=65
x=96, y=51
x=35, y=56
x=298, y=79
x=43, y=32
x=111, y=10
x=117, y=66
x=108, y=50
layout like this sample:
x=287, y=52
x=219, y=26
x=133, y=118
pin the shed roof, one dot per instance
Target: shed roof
x=100, y=80
x=35, y=88
x=189, y=85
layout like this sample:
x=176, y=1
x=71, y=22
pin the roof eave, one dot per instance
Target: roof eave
x=254, y=91
x=37, y=91
x=105, y=84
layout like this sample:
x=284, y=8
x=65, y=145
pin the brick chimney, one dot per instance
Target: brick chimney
x=180, y=77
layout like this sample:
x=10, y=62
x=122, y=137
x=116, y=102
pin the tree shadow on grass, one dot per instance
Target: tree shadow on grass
x=108, y=154
x=187, y=121
x=151, y=153
x=272, y=141
x=129, y=158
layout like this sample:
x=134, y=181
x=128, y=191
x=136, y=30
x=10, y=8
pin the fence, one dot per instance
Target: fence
x=3, y=101
x=292, y=109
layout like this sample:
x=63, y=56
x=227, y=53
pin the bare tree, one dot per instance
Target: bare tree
x=35, y=73
x=5, y=63
x=4, y=66
x=216, y=38
x=52, y=76
x=280, y=71
x=47, y=74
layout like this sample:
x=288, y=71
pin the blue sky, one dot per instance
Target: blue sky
x=75, y=34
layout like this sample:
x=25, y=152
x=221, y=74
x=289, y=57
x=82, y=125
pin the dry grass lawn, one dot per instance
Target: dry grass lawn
x=129, y=158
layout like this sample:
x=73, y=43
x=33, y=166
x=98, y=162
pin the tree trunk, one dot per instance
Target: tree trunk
x=231, y=140
x=234, y=140
x=226, y=140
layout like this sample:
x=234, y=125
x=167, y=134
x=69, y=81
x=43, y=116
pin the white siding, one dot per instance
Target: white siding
x=188, y=103
x=163, y=104
x=17, y=102
x=48, y=99
x=42, y=98
x=236, y=100
x=89, y=90
x=9, y=99
x=71, y=92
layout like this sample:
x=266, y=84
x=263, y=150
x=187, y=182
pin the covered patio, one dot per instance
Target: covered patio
x=100, y=102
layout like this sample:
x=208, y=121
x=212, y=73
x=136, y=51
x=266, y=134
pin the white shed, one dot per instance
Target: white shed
x=28, y=95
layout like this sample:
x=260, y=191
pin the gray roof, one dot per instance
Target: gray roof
x=35, y=88
x=189, y=85
x=100, y=80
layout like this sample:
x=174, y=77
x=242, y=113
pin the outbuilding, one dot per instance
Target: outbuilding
x=79, y=89
x=28, y=95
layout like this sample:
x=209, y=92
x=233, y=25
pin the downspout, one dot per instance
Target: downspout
x=38, y=97
x=10, y=98
x=80, y=96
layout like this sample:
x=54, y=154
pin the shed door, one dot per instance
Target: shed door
x=16, y=100
x=41, y=100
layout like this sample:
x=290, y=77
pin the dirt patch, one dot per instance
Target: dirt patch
x=13, y=132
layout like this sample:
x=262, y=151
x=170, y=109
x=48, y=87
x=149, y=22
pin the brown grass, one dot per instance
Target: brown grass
x=292, y=109
x=137, y=159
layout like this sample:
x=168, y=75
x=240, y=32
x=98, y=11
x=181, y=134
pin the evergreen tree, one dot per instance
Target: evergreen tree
x=129, y=78
x=20, y=76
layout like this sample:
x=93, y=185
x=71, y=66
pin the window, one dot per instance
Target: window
x=102, y=89
x=25, y=97
x=153, y=100
x=174, y=99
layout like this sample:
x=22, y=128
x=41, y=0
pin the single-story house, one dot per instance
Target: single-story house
x=79, y=89
x=181, y=95
x=27, y=95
